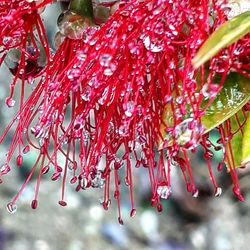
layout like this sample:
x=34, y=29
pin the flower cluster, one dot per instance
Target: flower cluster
x=120, y=92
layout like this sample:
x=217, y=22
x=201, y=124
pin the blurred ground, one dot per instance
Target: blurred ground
x=186, y=223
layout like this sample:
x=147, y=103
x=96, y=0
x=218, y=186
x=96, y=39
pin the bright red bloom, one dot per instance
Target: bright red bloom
x=117, y=84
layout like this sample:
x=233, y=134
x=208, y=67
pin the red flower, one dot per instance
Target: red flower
x=128, y=87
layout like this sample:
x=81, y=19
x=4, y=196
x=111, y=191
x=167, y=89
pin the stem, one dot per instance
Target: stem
x=82, y=7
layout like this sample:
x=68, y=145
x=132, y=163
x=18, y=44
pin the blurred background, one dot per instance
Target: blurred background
x=186, y=223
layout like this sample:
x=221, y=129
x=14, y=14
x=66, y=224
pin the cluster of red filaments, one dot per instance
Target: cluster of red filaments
x=119, y=97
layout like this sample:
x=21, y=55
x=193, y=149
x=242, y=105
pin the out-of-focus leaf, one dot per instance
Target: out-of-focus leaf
x=82, y=7
x=246, y=143
x=236, y=141
x=228, y=33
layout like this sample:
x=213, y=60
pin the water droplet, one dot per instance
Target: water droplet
x=106, y=204
x=31, y=80
x=188, y=132
x=129, y=108
x=6, y=40
x=45, y=170
x=195, y=193
x=41, y=142
x=218, y=192
x=26, y=149
x=123, y=130
x=164, y=191
x=4, y=169
x=98, y=181
x=105, y=60
x=79, y=123
x=73, y=74
x=73, y=180
x=108, y=72
x=10, y=102
x=210, y=90
x=83, y=183
x=37, y=131
x=120, y=221
x=87, y=94
x=11, y=207
x=152, y=46
x=208, y=154
x=72, y=165
x=133, y=213
x=81, y=56
x=56, y=176
x=238, y=50
x=126, y=180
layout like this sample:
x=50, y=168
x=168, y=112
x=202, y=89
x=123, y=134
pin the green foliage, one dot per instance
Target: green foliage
x=228, y=33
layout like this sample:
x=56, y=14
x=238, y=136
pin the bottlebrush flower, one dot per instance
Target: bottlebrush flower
x=23, y=43
x=128, y=87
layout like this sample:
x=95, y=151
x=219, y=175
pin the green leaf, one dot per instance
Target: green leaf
x=236, y=141
x=228, y=33
x=83, y=8
x=233, y=96
x=246, y=144
x=227, y=105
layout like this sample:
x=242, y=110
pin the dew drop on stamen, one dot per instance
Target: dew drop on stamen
x=73, y=180
x=72, y=165
x=83, y=183
x=133, y=213
x=108, y=72
x=152, y=46
x=56, y=176
x=129, y=108
x=218, y=192
x=106, y=204
x=45, y=170
x=105, y=60
x=10, y=102
x=11, y=207
x=164, y=191
x=120, y=221
x=4, y=169
x=195, y=193
x=31, y=80
x=26, y=149
x=41, y=142
x=81, y=56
